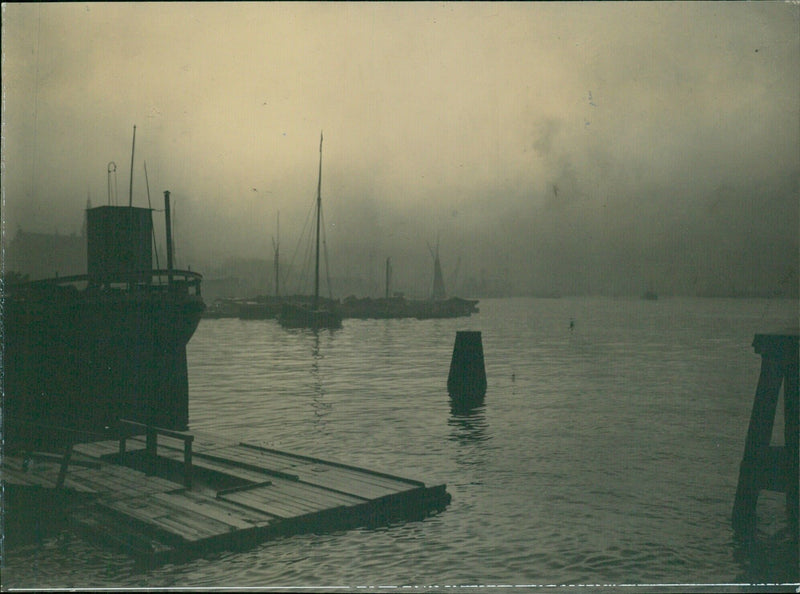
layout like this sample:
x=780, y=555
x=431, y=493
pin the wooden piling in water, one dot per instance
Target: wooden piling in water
x=467, y=378
x=766, y=467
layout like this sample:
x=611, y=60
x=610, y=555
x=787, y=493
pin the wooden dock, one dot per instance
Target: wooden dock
x=165, y=496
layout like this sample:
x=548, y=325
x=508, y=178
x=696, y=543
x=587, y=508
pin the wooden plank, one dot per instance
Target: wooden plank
x=301, y=501
x=78, y=486
x=144, y=520
x=349, y=477
x=255, y=459
x=119, y=537
x=13, y=473
x=98, y=482
x=200, y=462
x=255, y=517
x=345, y=480
x=293, y=499
x=104, y=481
x=12, y=463
x=98, y=449
x=209, y=508
x=308, y=468
x=229, y=455
x=34, y=479
x=117, y=482
x=258, y=500
x=245, y=487
x=332, y=463
x=228, y=461
x=16, y=477
x=138, y=480
x=355, y=488
x=180, y=522
x=316, y=494
x=367, y=477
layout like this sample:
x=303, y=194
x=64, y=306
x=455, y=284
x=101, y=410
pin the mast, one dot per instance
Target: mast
x=319, y=208
x=112, y=168
x=276, y=264
x=388, y=275
x=130, y=185
x=167, y=215
x=438, y=277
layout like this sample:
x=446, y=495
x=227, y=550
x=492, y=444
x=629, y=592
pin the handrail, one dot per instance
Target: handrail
x=157, y=279
x=112, y=278
x=151, y=446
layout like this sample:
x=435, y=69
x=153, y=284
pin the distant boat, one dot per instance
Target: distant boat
x=265, y=307
x=439, y=292
x=221, y=308
x=439, y=306
x=650, y=295
x=399, y=307
x=314, y=315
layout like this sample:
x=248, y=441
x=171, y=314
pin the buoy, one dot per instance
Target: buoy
x=467, y=378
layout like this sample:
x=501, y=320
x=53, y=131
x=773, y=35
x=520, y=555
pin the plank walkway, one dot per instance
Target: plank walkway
x=240, y=494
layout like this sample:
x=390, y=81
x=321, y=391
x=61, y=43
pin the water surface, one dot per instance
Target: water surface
x=603, y=454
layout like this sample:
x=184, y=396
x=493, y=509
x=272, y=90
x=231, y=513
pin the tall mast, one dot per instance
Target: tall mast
x=276, y=264
x=388, y=275
x=130, y=185
x=319, y=208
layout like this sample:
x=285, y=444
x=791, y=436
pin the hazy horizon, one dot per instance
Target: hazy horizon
x=595, y=148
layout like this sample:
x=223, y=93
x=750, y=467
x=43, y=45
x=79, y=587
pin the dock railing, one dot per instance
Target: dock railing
x=130, y=428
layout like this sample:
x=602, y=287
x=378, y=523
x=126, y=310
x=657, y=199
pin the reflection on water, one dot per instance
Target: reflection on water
x=769, y=558
x=318, y=402
x=468, y=422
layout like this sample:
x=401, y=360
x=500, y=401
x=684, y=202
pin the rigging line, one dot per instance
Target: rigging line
x=325, y=252
x=306, y=278
x=304, y=239
x=295, y=282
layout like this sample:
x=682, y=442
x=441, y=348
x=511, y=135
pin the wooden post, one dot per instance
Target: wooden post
x=62, y=472
x=467, y=378
x=187, y=462
x=151, y=446
x=766, y=467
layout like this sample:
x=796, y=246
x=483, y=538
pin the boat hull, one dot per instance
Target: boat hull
x=400, y=308
x=300, y=316
x=77, y=361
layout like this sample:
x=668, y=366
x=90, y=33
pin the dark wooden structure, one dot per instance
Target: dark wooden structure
x=764, y=466
x=83, y=351
x=466, y=381
x=167, y=496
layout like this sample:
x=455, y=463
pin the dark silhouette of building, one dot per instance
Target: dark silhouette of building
x=44, y=255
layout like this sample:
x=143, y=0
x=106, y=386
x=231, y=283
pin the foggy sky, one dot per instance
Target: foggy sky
x=575, y=147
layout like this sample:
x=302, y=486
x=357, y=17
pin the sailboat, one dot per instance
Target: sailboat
x=397, y=306
x=301, y=315
x=439, y=294
x=264, y=307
